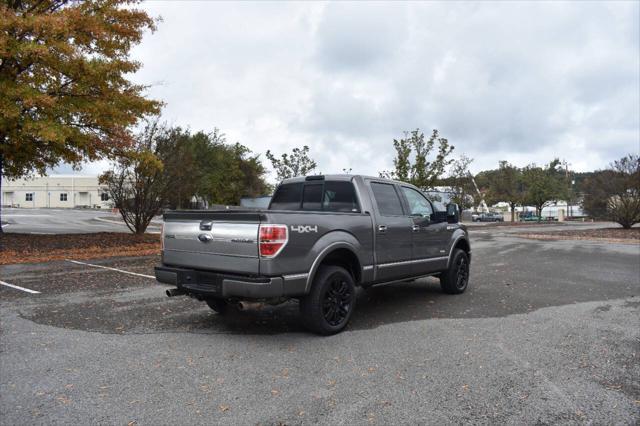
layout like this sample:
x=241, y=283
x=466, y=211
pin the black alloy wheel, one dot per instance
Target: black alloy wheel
x=330, y=303
x=462, y=278
x=336, y=303
x=455, y=280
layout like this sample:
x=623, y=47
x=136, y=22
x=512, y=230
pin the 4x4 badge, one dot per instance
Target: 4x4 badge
x=304, y=228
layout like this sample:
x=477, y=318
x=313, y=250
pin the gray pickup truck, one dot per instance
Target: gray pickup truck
x=320, y=238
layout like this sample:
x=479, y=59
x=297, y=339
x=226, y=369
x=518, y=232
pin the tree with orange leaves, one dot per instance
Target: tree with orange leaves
x=64, y=92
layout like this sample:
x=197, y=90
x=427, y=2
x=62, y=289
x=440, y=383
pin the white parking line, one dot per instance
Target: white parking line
x=117, y=222
x=113, y=222
x=111, y=269
x=19, y=288
x=26, y=215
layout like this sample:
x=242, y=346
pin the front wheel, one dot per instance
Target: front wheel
x=328, y=307
x=456, y=279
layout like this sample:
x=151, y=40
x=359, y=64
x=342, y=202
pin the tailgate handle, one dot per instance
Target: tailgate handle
x=205, y=225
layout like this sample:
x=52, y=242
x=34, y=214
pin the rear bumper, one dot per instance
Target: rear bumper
x=213, y=284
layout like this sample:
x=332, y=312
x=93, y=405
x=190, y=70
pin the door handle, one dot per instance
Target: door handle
x=415, y=228
x=382, y=228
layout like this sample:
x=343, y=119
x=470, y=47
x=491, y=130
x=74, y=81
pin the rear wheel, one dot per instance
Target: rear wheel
x=328, y=307
x=456, y=279
x=218, y=305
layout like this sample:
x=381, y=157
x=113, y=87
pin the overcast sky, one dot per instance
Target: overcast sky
x=523, y=82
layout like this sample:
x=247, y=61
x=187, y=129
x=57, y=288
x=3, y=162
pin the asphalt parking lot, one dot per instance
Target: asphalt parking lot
x=65, y=221
x=548, y=332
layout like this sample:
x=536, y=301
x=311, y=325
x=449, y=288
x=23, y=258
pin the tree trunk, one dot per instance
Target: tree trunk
x=513, y=212
x=626, y=224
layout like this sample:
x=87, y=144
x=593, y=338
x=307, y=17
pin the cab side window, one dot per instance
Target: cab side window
x=418, y=203
x=287, y=197
x=340, y=196
x=387, y=199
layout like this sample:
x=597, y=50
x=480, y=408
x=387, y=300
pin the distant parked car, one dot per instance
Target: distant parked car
x=529, y=217
x=487, y=217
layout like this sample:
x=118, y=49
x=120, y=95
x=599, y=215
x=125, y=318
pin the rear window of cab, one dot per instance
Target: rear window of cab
x=332, y=196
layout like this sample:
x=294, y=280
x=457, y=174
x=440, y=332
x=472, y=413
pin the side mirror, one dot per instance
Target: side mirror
x=453, y=213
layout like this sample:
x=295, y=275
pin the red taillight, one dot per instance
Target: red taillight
x=273, y=238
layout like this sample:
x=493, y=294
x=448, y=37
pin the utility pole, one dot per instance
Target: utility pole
x=569, y=188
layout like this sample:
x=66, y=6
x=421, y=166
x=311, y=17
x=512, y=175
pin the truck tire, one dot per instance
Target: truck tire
x=328, y=307
x=456, y=279
x=218, y=305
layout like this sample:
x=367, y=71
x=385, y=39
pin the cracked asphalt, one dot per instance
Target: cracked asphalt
x=548, y=333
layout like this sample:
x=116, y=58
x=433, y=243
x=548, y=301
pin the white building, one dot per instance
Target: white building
x=57, y=191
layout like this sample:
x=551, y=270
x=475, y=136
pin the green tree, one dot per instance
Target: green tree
x=543, y=185
x=614, y=194
x=176, y=151
x=135, y=184
x=253, y=173
x=506, y=185
x=402, y=162
x=597, y=193
x=206, y=166
x=236, y=173
x=412, y=162
x=64, y=92
x=459, y=181
x=484, y=180
x=298, y=163
x=166, y=167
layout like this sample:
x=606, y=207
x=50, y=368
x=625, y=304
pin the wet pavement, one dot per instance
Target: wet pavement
x=548, y=332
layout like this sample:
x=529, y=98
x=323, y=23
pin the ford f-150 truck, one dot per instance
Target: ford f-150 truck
x=320, y=238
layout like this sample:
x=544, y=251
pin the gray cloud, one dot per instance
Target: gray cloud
x=518, y=81
x=353, y=36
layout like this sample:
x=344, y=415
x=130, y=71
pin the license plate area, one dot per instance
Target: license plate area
x=208, y=283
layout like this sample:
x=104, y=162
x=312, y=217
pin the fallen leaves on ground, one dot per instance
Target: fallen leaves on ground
x=28, y=248
x=63, y=399
x=614, y=235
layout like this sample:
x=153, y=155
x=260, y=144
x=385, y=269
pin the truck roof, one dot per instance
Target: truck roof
x=344, y=177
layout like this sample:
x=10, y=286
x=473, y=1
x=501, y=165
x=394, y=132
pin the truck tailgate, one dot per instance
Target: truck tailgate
x=219, y=241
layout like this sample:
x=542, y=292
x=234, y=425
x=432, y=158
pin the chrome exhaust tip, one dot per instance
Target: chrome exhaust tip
x=172, y=292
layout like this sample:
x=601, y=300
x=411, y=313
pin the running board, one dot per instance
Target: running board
x=403, y=280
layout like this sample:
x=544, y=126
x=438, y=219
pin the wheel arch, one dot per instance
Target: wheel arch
x=461, y=242
x=341, y=254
